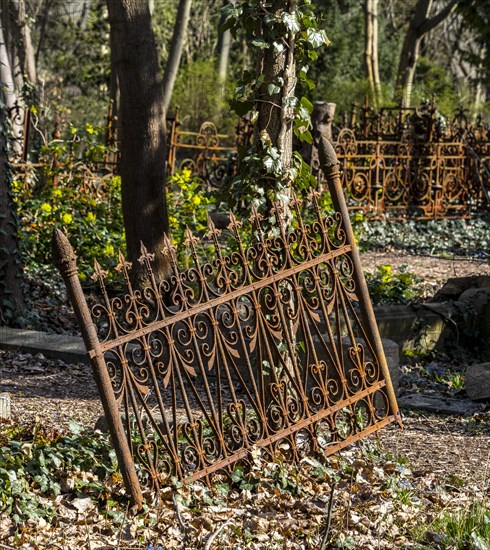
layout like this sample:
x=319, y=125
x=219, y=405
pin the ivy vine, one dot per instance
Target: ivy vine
x=9, y=224
x=273, y=29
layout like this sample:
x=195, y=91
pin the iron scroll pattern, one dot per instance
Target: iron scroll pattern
x=400, y=179
x=261, y=348
x=209, y=155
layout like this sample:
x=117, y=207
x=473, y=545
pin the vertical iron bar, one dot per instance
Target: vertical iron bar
x=330, y=166
x=65, y=260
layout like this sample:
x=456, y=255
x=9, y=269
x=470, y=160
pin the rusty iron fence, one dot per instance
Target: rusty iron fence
x=396, y=163
x=272, y=346
x=397, y=179
x=208, y=154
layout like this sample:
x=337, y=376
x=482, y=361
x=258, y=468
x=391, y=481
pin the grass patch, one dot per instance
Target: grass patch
x=467, y=529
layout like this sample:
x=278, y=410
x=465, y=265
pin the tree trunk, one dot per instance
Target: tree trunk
x=368, y=45
x=407, y=66
x=279, y=70
x=11, y=272
x=376, y=77
x=175, y=53
x=42, y=31
x=6, y=75
x=10, y=96
x=114, y=99
x=419, y=25
x=371, y=50
x=10, y=42
x=27, y=54
x=224, y=47
x=142, y=131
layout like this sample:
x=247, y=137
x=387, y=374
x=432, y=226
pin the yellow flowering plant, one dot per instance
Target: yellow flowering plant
x=94, y=225
x=188, y=205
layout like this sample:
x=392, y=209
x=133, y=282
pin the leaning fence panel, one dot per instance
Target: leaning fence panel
x=270, y=346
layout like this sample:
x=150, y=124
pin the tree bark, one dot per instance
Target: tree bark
x=6, y=75
x=142, y=119
x=12, y=101
x=419, y=25
x=371, y=49
x=11, y=271
x=224, y=47
x=27, y=54
x=279, y=70
x=175, y=53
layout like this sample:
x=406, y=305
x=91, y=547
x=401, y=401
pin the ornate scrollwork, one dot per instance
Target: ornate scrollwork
x=257, y=347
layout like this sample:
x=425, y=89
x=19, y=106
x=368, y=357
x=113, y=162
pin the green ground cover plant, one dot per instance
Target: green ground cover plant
x=440, y=237
x=389, y=287
x=36, y=464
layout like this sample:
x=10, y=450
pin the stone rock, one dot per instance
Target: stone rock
x=477, y=382
x=474, y=305
x=442, y=405
x=476, y=298
x=5, y=406
x=456, y=286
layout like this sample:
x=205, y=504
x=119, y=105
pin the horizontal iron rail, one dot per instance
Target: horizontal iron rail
x=305, y=422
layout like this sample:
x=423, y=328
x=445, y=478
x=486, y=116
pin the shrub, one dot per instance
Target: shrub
x=386, y=287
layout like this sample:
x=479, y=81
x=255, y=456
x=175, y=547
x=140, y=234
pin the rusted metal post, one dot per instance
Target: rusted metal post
x=330, y=166
x=66, y=261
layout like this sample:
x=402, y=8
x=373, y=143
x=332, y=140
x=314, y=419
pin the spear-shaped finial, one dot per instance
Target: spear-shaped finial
x=64, y=257
x=327, y=155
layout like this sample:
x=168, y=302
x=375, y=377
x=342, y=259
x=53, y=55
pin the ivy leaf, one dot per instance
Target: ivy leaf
x=278, y=47
x=303, y=72
x=290, y=22
x=311, y=85
x=241, y=108
x=259, y=81
x=290, y=101
x=307, y=104
x=273, y=89
x=272, y=165
x=303, y=116
x=312, y=55
x=306, y=137
x=317, y=38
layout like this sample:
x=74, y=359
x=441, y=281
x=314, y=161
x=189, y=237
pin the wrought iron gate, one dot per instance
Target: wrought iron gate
x=274, y=345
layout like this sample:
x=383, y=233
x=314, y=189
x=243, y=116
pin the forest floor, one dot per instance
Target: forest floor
x=396, y=490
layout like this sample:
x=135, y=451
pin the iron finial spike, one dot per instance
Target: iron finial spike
x=146, y=257
x=166, y=241
x=97, y=270
x=64, y=256
x=168, y=248
x=190, y=239
x=326, y=152
x=211, y=225
x=234, y=224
